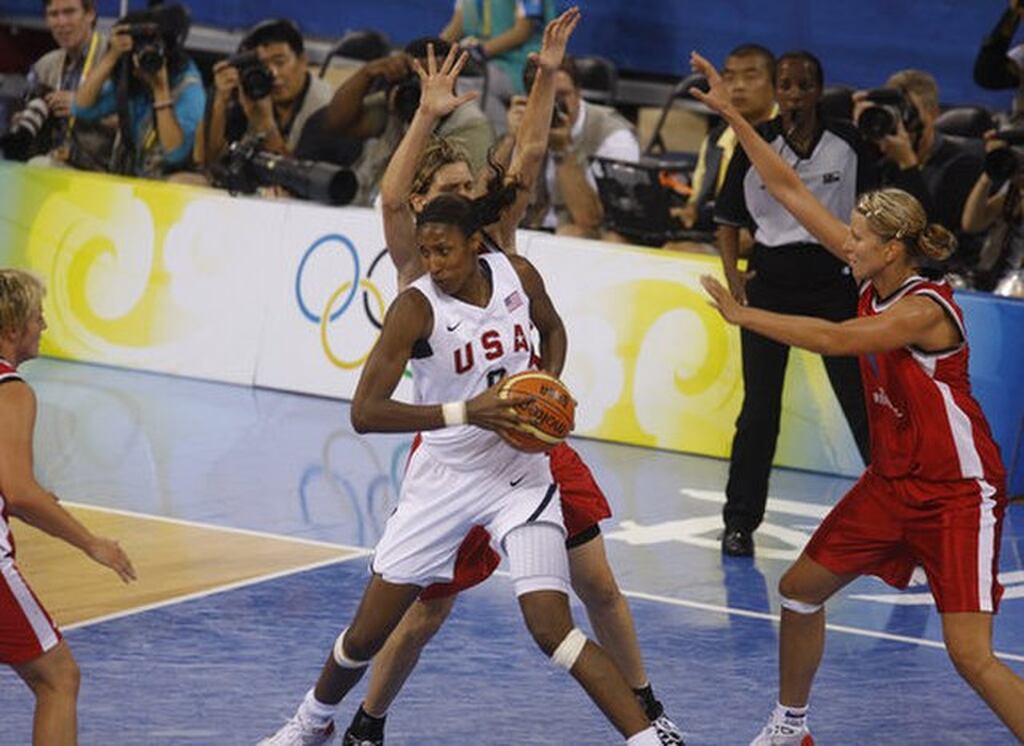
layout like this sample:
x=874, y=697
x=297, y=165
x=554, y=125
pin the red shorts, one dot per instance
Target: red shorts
x=583, y=507
x=26, y=630
x=887, y=527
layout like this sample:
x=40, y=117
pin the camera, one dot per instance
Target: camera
x=407, y=97
x=154, y=32
x=147, y=46
x=254, y=76
x=559, y=112
x=18, y=143
x=248, y=166
x=891, y=106
x=1006, y=162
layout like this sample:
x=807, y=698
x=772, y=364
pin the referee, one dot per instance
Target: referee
x=789, y=272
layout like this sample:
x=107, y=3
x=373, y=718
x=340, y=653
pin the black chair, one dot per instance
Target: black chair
x=364, y=45
x=965, y=121
x=599, y=79
x=681, y=91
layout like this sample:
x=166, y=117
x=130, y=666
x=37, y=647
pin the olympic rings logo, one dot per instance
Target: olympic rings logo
x=341, y=298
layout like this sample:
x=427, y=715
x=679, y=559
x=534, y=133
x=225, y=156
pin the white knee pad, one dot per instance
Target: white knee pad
x=799, y=606
x=569, y=649
x=537, y=558
x=339, y=654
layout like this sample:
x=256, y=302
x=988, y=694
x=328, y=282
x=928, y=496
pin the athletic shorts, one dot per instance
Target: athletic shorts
x=887, y=527
x=26, y=630
x=439, y=505
x=583, y=507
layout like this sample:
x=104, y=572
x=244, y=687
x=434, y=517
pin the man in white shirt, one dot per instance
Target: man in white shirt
x=566, y=199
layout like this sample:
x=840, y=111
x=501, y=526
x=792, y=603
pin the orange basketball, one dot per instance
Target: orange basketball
x=551, y=414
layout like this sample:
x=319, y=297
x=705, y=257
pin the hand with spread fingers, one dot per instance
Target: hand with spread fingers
x=438, y=97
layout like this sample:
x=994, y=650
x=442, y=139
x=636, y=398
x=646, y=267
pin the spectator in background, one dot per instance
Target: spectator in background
x=382, y=117
x=501, y=34
x=159, y=109
x=290, y=117
x=938, y=170
x=55, y=77
x=997, y=66
x=749, y=74
x=996, y=208
x=790, y=272
x=565, y=197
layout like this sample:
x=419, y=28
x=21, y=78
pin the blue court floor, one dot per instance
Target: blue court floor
x=227, y=667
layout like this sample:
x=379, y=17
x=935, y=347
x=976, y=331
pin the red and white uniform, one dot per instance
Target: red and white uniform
x=465, y=476
x=934, y=494
x=26, y=630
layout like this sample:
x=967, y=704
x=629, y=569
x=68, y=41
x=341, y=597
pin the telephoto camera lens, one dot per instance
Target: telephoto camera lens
x=1003, y=163
x=877, y=122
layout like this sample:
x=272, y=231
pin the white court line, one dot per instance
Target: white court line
x=212, y=591
x=364, y=552
x=216, y=527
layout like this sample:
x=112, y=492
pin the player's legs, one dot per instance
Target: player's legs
x=400, y=654
x=607, y=609
x=380, y=610
x=53, y=678
x=804, y=589
x=968, y=637
x=540, y=574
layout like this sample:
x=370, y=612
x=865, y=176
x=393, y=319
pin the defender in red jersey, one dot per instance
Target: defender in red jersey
x=934, y=494
x=29, y=640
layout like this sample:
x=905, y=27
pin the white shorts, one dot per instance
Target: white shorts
x=438, y=506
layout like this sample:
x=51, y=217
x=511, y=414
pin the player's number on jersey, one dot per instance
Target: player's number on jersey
x=493, y=376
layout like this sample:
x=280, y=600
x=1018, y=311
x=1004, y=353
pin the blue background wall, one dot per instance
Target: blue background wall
x=859, y=42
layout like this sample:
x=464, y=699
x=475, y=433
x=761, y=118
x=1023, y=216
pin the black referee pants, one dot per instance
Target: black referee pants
x=764, y=369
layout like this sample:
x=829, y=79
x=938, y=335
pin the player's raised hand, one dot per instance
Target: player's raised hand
x=717, y=97
x=437, y=84
x=556, y=39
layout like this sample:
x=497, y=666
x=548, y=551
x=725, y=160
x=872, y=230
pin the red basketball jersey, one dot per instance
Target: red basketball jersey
x=7, y=373
x=924, y=422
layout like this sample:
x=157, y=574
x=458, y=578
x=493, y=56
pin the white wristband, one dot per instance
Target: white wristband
x=454, y=413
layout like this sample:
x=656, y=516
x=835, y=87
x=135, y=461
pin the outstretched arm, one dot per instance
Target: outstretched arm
x=914, y=320
x=532, y=137
x=437, y=100
x=782, y=181
x=27, y=500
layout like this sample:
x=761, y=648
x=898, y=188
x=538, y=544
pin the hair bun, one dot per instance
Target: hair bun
x=936, y=242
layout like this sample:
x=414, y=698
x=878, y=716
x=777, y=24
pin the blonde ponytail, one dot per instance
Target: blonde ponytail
x=896, y=214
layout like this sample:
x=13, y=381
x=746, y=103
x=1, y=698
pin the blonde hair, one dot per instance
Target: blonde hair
x=21, y=293
x=895, y=214
x=920, y=83
x=438, y=154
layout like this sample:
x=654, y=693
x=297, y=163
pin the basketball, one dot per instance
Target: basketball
x=551, y=414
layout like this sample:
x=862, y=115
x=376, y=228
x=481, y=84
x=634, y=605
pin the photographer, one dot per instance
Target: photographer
x=266, y=89
x=155, y=89
x=996, y=205
x=915, y=156
x=383, y=116
x=565, y=196
x=997, y=66
x=45, y=128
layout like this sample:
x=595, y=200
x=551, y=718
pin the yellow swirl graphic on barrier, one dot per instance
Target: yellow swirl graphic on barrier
x=326, y=316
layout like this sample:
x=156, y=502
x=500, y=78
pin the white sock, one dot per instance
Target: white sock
x=646, y=737
x=790, y=713
x=314, y=711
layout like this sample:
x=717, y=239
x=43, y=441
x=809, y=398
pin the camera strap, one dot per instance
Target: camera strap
x=90, y=57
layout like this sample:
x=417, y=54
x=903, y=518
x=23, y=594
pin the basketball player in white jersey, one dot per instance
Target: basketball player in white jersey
x=29, y=640
x=464, y=327
x=421, y=169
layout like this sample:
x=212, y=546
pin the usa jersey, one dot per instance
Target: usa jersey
x=7, y=373
x=923, y=420
x=468, y=351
